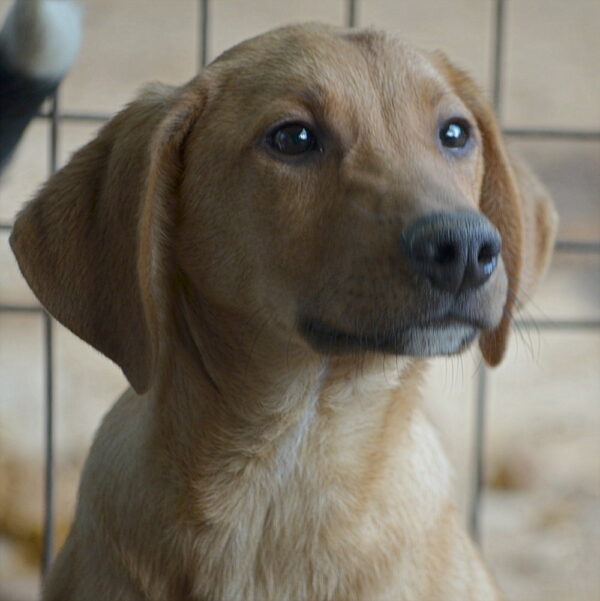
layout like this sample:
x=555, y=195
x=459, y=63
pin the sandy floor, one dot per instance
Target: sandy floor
x=541, y=526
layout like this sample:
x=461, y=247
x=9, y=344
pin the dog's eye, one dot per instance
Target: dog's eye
x=293, y=139
x=455, y=133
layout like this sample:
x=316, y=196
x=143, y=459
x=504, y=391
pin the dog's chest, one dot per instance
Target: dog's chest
x=330, y=526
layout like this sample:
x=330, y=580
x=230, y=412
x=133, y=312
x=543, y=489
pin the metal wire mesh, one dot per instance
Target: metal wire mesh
x=55, y=118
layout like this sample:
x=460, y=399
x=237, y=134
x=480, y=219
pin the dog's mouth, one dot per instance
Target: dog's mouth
x=444, y=336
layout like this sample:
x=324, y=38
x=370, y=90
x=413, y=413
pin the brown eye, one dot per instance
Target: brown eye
x=455, y=133
x=293, y=139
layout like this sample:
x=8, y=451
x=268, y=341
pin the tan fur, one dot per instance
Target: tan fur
x=246, y=466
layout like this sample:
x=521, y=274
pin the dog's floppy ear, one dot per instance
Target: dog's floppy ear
x=78, y=241
x=514, y=201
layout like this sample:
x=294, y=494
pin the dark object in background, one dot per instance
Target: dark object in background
x=38, y=44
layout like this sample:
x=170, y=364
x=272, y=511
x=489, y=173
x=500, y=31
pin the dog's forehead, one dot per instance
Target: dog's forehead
x=331, y=62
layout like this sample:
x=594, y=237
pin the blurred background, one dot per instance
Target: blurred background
x=541, y=507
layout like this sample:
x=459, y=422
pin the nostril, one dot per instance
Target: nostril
x=487, y=257
x=486, y=254
x=445, y=253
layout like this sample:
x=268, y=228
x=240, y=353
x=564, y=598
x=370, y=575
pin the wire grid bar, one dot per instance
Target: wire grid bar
x=203, y=18
x=516, y=132
x=498, y=52
x=584, y=247
x=351, y=13
x=549, y=133
x=48, y=530
x=478, y=474
x=567, y=246
x=523, y=324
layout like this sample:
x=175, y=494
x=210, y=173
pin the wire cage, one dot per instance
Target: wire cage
x=55, y=118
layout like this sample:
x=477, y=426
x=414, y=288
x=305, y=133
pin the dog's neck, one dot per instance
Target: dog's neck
x=252, y=395
x=278, y=448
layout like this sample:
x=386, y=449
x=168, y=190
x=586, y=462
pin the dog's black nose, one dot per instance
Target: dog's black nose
x=455, y=251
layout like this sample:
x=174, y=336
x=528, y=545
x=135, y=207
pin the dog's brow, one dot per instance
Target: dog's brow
x=313, y=98
x=434, y=93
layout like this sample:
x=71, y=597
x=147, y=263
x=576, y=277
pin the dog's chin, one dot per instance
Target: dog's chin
x=443, y=337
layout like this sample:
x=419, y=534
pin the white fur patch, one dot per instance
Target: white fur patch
x=287, y=455
x=437, y=340
x=41, y=38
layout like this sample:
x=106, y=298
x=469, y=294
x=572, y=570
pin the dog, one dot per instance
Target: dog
x=270, y=253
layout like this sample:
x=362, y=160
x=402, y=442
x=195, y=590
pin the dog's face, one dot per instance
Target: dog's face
x=346, y=191
x=356, y=144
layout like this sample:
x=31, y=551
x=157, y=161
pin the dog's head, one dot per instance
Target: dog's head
x=350, y=188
